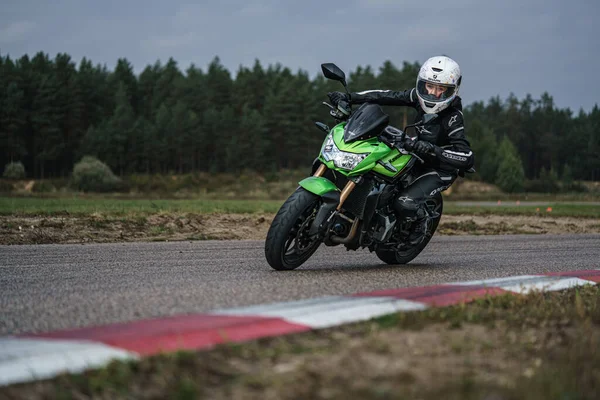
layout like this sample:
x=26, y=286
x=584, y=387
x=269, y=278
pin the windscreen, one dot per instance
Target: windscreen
x=366, y=122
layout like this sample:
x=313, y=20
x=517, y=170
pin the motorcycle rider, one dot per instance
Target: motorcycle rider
x=441, y=144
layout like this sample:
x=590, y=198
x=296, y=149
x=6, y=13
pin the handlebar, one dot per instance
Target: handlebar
x=341, y=112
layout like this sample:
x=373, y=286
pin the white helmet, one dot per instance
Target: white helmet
x=438, y=83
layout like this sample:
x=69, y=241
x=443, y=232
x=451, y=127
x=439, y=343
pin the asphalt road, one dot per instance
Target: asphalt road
x=49, y=287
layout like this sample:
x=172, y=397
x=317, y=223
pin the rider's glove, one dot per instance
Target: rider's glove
x=336, y=97
x=391, y=138
x=423, y=148
x=388, y=141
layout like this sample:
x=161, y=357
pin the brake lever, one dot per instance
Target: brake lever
x=329, y=105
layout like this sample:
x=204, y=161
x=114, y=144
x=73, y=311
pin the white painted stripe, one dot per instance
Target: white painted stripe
x=358, y=312
x=456, y=130
x=527, y=283
x=459, y=153
x=330, y=311
x=507, y=281
x=276, y=307
x=373, y=91
x=24, y=359
x=561, y=284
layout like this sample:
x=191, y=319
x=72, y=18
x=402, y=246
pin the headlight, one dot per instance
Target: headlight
x=341, y=159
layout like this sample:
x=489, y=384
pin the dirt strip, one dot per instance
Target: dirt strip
x=160, y=227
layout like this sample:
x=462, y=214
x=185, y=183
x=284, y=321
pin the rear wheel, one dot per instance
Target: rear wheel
x=288, y=244
x=408, y=252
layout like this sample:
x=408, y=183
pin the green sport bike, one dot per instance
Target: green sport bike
x=348, y=200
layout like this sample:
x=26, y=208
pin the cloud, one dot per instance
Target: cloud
x=172, y=41
x=502, y=46
x=16, y=31
x=257, y=10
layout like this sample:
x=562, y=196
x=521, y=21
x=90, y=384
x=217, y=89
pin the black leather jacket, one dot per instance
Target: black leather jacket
x=447, y=132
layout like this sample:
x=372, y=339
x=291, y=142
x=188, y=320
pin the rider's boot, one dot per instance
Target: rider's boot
x=420, y=226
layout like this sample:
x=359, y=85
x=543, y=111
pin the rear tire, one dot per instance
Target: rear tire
x=287, y=245
x=404, y=256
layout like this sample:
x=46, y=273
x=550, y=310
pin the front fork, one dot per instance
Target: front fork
x=325, y=213
x=345, y=192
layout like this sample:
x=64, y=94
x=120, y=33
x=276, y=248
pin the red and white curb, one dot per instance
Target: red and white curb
x=44, y=355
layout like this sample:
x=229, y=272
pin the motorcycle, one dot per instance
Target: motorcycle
x=362, y=167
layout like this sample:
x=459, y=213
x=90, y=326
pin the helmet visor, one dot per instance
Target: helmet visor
x=435, y=92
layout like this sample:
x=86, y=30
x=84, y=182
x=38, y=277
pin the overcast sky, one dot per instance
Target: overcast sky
x=518, y=46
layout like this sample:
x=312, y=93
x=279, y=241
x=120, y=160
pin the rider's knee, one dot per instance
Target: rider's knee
x=406, y=206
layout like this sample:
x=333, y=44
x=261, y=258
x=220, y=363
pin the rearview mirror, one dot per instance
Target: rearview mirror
x=332, y=71
x=322, y=127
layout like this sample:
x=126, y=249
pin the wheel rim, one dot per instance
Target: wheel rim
x=299, y=243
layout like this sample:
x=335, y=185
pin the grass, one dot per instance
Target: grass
x=86, y=205
x=122, y=207
x=539, y=346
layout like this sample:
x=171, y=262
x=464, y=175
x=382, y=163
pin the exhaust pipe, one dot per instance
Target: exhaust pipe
x=347, y=239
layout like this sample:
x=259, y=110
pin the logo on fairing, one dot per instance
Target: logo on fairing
x=440, y=189
x=454, y=157
x=452, y=120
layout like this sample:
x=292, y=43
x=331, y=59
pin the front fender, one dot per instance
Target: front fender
x=318, y=185
x=330, y=194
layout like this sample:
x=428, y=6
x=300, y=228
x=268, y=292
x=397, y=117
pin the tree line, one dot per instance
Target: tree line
x=54, y=111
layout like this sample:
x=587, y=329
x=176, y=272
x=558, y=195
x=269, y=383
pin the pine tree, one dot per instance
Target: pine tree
x=194, y=90
x=247, y=147
x=282, y=120
x=510, y=176
x=159, y=153
x=485, y=147
x=219, y=85
x=71, y=109
x=121, y=129
x=12, y=122
x=123, y=75
x=148, y=81
x=182, y=133
x=48, y=139
x=167, y=88
x=250, y=88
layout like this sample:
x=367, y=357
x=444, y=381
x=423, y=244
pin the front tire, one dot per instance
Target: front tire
x=407, y=254
x=288, y=245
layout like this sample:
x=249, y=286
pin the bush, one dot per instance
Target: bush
x=92, y=175
x=576, y=187
x=568, y=183
x=14, y=170
x=6, y=187
x=43, y=187
x=548, y=182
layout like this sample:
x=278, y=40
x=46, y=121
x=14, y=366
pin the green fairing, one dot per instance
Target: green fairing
x=318, y=185
x=378, y=151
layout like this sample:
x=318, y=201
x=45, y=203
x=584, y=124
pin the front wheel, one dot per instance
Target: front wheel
x=288, y=244
x=407, y=253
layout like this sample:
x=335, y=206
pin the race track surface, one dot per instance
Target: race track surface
x=50, y=287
